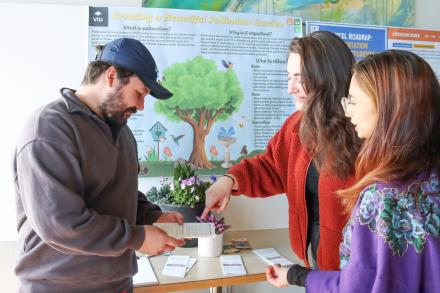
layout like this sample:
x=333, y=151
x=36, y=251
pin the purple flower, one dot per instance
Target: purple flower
x=191, y=180
x=219, y=225
x=213, y=178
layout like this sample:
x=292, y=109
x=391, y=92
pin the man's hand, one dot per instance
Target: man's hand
x=277, y=276
x=218, y=196
x=170, y=217
x=156, y=241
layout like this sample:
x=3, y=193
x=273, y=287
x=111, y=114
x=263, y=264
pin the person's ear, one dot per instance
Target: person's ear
x=110, y=76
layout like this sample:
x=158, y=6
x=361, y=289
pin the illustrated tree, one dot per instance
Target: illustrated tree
x=202, y=94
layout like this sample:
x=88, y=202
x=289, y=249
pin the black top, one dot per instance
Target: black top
x=297, y=274
x=312, y=202
x=312, y=193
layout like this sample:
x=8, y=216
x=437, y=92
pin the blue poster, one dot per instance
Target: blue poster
x=362, y=40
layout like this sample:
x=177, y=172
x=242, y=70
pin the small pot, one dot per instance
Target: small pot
x=210, y=247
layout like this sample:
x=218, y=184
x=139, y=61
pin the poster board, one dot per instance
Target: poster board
x=228, y=75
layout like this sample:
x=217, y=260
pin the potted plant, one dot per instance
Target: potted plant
x=212, y=246
x=184, y=193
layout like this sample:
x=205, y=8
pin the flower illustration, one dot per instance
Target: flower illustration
x=368, y=208
x=382, y=227
x=431, y=186
x=167, y=152
x=344, y=247
x=402, y=216
x=402, y=225
x=405, y=202
x=214, y=153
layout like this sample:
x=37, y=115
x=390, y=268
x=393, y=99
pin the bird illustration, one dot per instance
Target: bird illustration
x=177, y=138
x=244, y=150
x=227, y=64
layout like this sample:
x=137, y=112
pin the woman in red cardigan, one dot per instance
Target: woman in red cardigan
x=310, y=157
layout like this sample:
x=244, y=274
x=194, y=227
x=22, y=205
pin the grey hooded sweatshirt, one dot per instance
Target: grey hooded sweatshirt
x=79, y=212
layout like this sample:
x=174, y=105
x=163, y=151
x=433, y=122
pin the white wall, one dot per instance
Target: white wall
x=36, y=58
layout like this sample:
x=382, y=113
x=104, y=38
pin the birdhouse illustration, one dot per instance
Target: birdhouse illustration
x=158, y=132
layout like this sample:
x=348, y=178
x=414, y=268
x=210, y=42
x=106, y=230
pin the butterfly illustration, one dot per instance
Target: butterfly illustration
x=244, y=150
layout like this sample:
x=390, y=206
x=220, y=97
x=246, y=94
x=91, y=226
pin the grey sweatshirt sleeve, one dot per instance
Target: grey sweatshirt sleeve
x=51, y=191
x=147, y=212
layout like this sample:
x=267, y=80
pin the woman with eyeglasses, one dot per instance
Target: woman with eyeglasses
x=392, y=241
x=310, y=157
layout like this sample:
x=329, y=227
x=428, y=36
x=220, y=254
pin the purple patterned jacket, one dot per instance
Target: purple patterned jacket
x=391, y=242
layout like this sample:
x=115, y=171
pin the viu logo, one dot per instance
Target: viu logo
x=98, y=16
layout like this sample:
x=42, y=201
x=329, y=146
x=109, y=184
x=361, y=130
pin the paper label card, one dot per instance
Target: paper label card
x=191, y=262
x=145, y=274
x=232, y=265
x=272, y=257
x=176, y=266
x=188, y=230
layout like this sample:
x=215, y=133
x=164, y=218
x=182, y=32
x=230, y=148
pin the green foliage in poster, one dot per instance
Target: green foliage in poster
x=199, y=85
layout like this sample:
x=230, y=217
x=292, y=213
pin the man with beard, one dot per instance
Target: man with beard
x=80, y=216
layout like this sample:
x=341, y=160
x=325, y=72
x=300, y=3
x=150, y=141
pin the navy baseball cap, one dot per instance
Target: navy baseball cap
x=132, y=55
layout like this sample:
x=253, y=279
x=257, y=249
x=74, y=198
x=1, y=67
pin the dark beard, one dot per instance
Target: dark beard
x=111, y=112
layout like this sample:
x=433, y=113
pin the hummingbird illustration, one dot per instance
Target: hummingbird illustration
x=177, y=138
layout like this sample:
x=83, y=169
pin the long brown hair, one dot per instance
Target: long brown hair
x=326, y=69
x=406, y=140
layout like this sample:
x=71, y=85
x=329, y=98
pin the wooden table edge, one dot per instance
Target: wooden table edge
x=219, y=282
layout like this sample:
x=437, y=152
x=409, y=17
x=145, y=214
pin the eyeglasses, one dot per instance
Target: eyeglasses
x=347, y=103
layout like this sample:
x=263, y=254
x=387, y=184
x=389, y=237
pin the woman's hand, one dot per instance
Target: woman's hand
x=277, y=276
x=218, y=196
